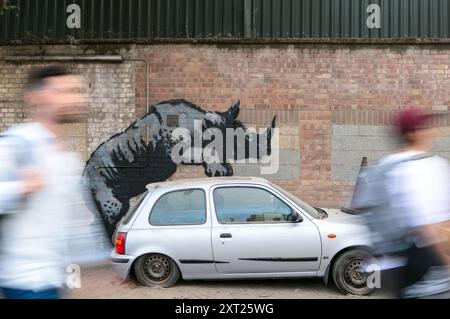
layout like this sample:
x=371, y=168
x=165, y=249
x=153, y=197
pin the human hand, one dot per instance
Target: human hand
x=33, y=180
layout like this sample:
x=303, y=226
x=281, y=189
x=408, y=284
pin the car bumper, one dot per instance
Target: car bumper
x=121, y=264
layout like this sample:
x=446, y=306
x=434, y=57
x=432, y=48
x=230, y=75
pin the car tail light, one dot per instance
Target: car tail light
x=120, y=243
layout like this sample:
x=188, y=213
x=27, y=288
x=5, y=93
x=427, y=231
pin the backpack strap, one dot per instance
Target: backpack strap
x=23, y=149
x=21, y=152
x=420, y=156
x=410, y=159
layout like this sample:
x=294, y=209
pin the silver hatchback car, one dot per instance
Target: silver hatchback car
x=229, y=228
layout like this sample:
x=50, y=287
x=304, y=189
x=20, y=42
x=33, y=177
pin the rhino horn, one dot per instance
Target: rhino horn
x=268, y=133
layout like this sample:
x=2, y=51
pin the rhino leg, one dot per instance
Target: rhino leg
x=218, y=169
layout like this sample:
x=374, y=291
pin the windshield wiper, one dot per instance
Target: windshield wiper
x=322, y=212
x=349, y=210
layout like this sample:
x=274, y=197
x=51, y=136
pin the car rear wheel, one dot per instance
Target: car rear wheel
x=349, y=272
x=156, y=270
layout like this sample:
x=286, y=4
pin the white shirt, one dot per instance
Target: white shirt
x=33, y=242
x=419, y=189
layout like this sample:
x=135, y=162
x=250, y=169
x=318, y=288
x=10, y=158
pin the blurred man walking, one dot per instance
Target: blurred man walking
x=408, y=200
x=39, y=181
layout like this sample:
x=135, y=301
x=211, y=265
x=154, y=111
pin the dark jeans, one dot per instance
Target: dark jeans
x=392, y=280
x=419, y=260
x=10, y=293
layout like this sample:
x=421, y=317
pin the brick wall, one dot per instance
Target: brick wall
x=325, y=96
x=111, y=87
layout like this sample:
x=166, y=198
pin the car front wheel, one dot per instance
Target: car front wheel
x=350, y=272
x=156, y=270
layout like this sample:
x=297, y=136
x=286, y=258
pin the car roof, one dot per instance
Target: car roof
x=207, y=182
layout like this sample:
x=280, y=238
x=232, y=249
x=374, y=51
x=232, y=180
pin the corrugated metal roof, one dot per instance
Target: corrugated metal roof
x=348, y=19
x=252, y=20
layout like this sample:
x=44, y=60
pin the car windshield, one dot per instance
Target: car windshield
x=306, y=207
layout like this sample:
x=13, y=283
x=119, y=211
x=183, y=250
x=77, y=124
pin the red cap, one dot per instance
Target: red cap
x=408, y=120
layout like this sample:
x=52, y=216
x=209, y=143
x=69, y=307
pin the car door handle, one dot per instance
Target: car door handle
x=225, y=235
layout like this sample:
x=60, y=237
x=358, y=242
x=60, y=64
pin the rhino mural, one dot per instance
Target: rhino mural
x=120, y=168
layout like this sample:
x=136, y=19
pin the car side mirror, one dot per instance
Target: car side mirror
x=295, y=217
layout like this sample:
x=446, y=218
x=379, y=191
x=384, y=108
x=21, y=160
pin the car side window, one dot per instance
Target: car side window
x=249, y=205
x=183, y=207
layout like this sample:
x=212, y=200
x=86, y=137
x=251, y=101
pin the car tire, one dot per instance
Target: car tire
x=347, y=274
x=156, y=270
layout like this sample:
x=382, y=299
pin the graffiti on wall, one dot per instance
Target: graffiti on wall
x=121, y=167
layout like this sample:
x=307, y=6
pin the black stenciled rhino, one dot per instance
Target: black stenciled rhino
x=120, y=168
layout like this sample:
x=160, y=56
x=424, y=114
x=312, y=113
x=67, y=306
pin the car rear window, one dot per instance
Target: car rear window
x=135, y=202
x=183, y=207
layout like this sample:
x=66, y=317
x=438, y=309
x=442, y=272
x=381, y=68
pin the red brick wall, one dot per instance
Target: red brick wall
x=307, y=77
x=324, y=83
